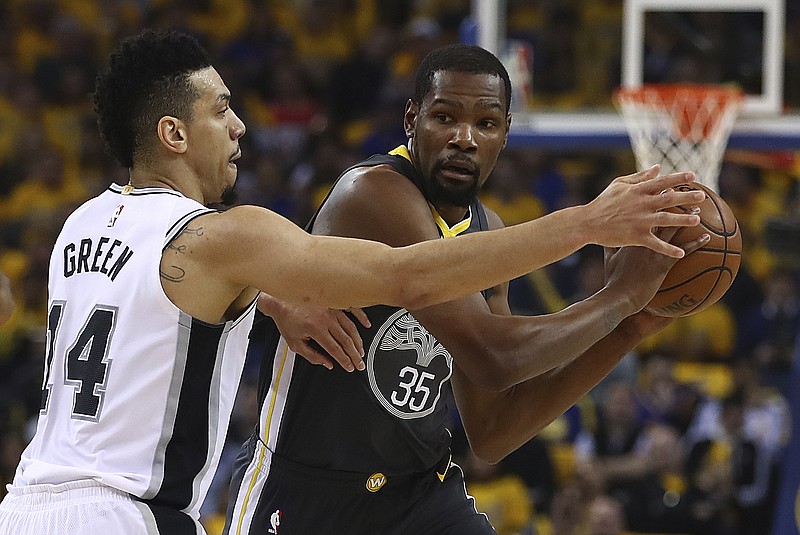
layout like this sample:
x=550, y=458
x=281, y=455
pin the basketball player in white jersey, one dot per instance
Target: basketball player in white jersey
x=152, y=295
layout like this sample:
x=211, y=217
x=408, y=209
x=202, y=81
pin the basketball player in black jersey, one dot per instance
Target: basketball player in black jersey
x=368, y=453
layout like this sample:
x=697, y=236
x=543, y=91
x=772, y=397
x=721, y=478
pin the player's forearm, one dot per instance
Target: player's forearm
x=443, y=270
x=496, y=351
x=536, y=402
x=277, y=257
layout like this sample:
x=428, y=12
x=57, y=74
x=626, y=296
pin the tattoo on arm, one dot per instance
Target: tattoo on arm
x=196, y=231
x=177, y=273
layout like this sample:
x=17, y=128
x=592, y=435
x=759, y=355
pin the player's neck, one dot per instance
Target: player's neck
x=451, y=214
x=143, y=176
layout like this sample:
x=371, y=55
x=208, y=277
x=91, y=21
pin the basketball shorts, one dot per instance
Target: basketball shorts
x=271, y=495
x=87, y=508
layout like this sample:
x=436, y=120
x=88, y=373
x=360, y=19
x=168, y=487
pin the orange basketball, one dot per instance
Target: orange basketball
x=701, y=278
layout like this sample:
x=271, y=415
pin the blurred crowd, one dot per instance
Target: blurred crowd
x=686, y=436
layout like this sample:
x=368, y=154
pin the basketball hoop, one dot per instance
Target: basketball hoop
x=684, y=127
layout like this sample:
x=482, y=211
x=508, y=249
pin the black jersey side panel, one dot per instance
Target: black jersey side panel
x=187, y=450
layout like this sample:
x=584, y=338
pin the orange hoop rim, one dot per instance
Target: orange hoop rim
x=669, y=92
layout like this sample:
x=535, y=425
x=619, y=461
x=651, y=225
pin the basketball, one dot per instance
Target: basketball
x=701, y=278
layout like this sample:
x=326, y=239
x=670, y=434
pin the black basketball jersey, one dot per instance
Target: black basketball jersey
x=392, y=417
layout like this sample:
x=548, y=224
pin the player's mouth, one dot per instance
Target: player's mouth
x=462, y=171
x=236, y=155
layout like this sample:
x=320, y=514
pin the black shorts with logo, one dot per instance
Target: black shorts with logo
x=302, y=500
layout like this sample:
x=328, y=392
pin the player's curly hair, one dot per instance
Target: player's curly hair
x=147, y=78
x=463, y=58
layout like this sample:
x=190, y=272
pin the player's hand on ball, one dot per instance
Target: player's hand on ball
x=628, y=210
x=637, y=272
x=700, y=279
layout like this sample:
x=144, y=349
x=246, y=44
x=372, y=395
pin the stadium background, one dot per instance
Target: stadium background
x=323, y=83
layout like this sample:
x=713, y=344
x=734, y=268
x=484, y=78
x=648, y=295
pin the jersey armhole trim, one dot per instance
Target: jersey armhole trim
x=182, y=223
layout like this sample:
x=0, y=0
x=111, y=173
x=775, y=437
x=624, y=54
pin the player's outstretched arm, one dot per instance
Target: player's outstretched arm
x=260, y=249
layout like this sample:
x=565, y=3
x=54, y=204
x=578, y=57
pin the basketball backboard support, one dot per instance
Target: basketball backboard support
x=766, y=24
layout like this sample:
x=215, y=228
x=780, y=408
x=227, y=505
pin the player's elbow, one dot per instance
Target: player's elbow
x=492, y=379
x=494, y=373
x=412, y=294
x=488, y=451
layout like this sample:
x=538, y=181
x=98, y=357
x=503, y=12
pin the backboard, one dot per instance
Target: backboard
x=765, y=125
x=714, y=41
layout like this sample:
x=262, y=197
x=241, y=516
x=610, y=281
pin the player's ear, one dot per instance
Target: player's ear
x=172, y=133
x=410, y=118
x=508, y=129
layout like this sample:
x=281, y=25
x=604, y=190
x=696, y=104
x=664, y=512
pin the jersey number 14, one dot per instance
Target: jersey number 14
x=87, y=362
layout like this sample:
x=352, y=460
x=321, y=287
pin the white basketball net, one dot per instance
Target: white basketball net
x=682, y=127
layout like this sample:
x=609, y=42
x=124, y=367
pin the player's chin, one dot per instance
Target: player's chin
x=229, y=196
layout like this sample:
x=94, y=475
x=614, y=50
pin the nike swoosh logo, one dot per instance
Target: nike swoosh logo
x=446, y=468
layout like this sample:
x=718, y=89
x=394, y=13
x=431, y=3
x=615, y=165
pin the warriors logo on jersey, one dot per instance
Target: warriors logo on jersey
x=407, y=367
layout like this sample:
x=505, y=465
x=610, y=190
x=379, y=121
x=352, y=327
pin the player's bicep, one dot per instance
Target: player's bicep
x=253, y=247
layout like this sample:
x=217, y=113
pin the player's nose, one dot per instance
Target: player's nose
x=463, y=137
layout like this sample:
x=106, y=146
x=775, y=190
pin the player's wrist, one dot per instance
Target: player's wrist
x=618, y=303
x=575, y=226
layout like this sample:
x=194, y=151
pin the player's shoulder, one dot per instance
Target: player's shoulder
x=382, y=176
x=494, y=221
x=376, y=185
x=378, y=203
x=239, y=220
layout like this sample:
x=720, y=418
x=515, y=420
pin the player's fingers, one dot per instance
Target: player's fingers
x=664, y=184
x=261, y=305
x=665, y=248
x=641, y=176
x=348, y=330
x=313, y=356
x=665, y=233
x=340, y=349
x=350, y=340
x=697, y=243
x=671, y=219
x=686, y=200
x=361, y=316
x=350, y=344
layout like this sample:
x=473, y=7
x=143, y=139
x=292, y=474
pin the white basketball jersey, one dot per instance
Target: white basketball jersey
x=136, y=393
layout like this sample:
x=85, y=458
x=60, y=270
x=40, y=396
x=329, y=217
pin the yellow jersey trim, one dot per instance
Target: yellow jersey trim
x=402, y=150
x=446, y=230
